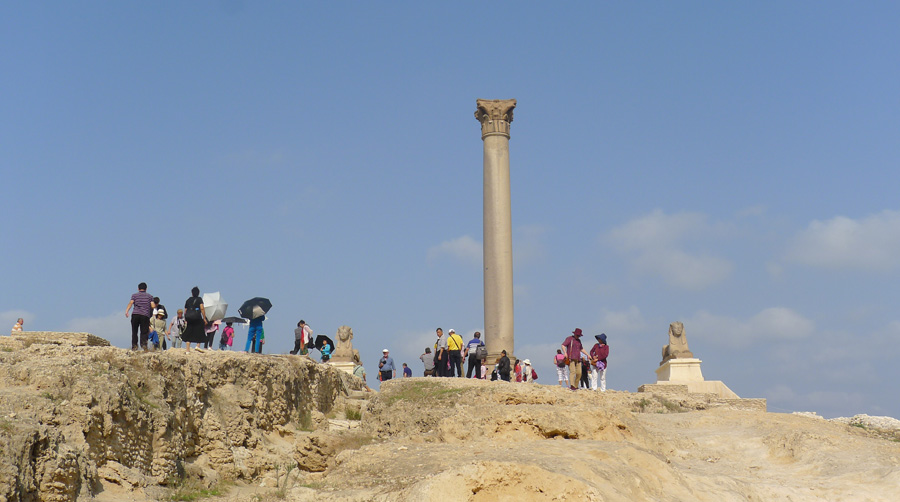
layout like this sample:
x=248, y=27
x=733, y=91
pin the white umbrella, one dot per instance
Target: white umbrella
x=215, y=306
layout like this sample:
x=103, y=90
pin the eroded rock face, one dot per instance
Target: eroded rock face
x=77, y=419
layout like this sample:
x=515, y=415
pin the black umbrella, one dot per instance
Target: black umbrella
x=255, y=307
x=321, y=340
x=239, y=320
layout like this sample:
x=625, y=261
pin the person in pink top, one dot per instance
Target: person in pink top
x=573, y=350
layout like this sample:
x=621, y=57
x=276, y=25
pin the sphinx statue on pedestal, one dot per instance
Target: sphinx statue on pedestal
x=678, y=346
x=344, y=352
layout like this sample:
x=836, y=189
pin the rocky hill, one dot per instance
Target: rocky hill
x=81, y=422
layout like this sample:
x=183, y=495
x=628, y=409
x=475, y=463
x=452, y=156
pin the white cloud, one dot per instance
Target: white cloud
x=9, y=317
x=771, y=324
x=625, y=321
x=870, y=243
x=654, y=245
x=758, y=210
x=115, y=328
x=462, y=248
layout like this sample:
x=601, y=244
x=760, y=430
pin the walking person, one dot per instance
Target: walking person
x=562, y=370
x=176, y=329
x=471, y=354
x=599, y=353
x=195, y=315
x=386, y=367
x=455, y=346
x=211, y=330
x=140, y=317
x=441, y=355
x=428, y=360
x=573, y=350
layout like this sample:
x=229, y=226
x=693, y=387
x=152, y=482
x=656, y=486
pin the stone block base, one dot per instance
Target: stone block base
x=714, y=387
x=679, y=370
x=344, y=366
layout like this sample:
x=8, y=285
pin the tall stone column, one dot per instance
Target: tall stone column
x=495, y=117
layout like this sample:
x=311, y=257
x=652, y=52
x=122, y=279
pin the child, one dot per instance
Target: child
x=326, y=352
x=227, y=337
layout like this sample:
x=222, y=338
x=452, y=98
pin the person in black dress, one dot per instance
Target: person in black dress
x=195, y=315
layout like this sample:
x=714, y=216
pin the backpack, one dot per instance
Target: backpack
x=561, y=361
x=533, y=374
x=481, y=352
x=192, y=313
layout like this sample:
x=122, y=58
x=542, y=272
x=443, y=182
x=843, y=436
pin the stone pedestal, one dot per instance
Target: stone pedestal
x=686, y=372
x=679, y=370
x=343, y=366
x=495, y=117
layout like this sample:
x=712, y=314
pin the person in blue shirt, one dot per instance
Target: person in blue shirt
x=407, y=371
x=472, y=353
x=386, y=368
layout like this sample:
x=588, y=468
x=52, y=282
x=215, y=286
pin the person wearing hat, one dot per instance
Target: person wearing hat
x=573, y=350
x=386, y=368
x=528, y=373
x=599, y=353
x=158, y=328
x=455, y=346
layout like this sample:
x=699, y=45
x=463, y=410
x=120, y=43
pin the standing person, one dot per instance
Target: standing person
x=254, y=334
x=441, y=355
x=428, y=360
x=176, y=329
x=585, y=367
x=455, y=345
x=158, y=307
x=158, y=325
x=195, y=315
x=573, y=350
x=528, y=372
x=360, y=372
x=503, y=367
x=472, y=354
x=140, y=317
x=262, y=340
x=484, y=371
x=326, y=352
x=211, y=330
x=386, y=367
x=227, y=337
x=599, y=353
x=562, y=371
x=407, y=372
x=17, y=327
x=302, y=336
x=518, y=371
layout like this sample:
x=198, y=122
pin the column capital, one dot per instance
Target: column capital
x=495, y=116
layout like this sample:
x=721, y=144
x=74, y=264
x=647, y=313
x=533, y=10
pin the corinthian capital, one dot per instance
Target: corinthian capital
x=495, y=116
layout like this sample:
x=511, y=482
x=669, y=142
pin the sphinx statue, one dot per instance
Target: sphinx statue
x=678, y=346
x=344, y=352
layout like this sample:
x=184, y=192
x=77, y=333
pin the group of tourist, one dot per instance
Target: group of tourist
x=580, y=368
x=150, y=327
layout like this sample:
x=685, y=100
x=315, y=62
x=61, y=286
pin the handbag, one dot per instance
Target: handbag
x=566, y=361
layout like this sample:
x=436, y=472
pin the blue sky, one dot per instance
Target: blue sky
x=733, y=167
